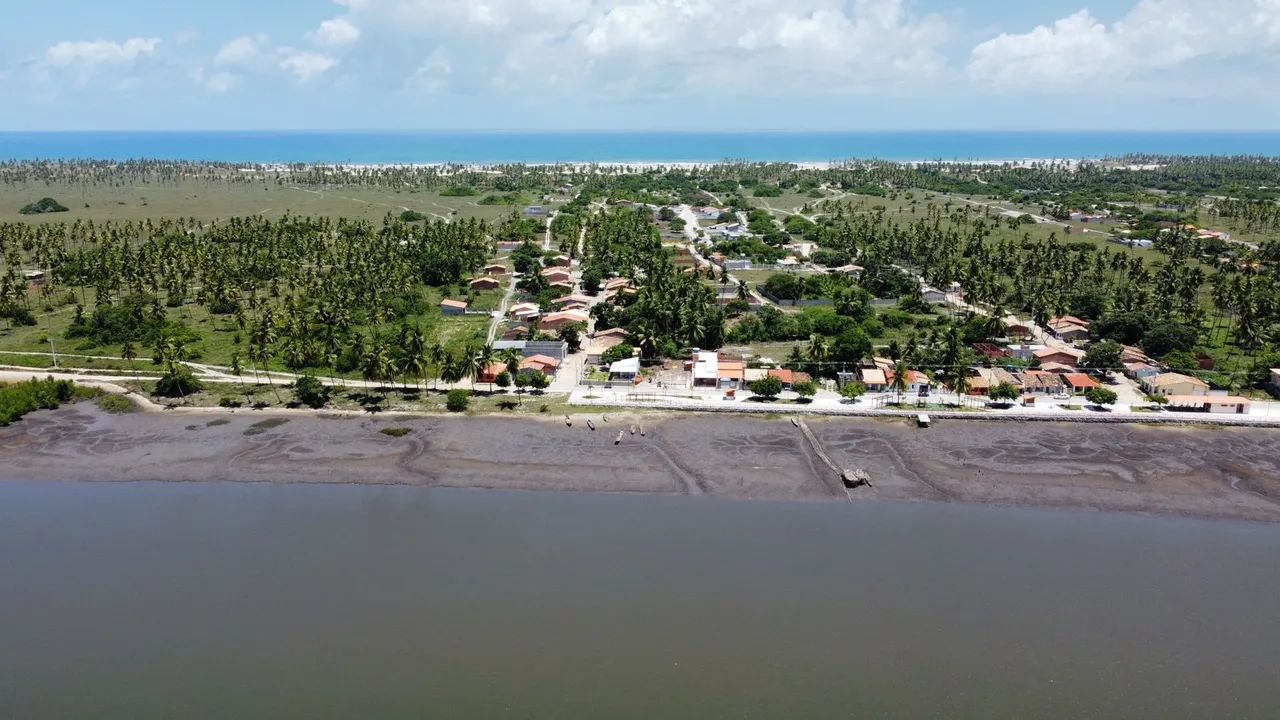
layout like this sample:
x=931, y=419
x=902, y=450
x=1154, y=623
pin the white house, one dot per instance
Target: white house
x=627, y=369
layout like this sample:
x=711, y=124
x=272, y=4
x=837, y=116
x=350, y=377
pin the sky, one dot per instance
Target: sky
x=640, y=65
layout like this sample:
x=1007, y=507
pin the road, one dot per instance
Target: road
x=691, y=232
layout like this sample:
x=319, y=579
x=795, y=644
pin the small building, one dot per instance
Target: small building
x=1079, y=383
x=561, y=261
x=874, y=379
x=707, y=213
x=1039, y=382
x=568, y=300
x=933, y=295
x=544, y=364
x=850, y=271
x=990, y=351
x=789, y=378
x=484, y=283
x=732, y=374
x=35, y=277
x=491, y=372
x=1070, y=357
x=705, y=367
x=1140, y=370
x=534, y=211
x=1069, y=328
x=983, y=379
x=1023, y=351
x=1275, y=382
x=602, y=342
x=737, y=264
x=556, y=320
x=628, y=369
x=525, y=311
x=558, y=349
x=1171, y=384
x=801, y=249
x=1219, y=404
x=452, y=307
x=1020, y=328
x=557, y=274
x=495, y=269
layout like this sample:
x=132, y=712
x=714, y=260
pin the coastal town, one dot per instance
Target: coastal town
x=707, y=289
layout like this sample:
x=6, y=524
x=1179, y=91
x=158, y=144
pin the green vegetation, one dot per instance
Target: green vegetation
x=310, y=391
x=458, y=400
x=396, y=432
x=767, y=388
x=116, y=404
x=43, y=206
x=1101, y=396
x=18, y=399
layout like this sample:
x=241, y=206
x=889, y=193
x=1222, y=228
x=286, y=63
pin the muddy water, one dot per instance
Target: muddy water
x=223, y=600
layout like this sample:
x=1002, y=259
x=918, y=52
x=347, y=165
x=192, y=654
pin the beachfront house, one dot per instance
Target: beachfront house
x=623, y=370
x=602, y=342
x=452, y=307
x=1140, y=371
x=789, y=378
x=1171, y=384
x=1219, y=404
x=709, y=370
x=1039, y=382
x=874, y=379
x=1079, y=383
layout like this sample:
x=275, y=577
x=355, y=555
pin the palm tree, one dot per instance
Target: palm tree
x=479, y=358
x=901, y=379
x=128, y=353
x=437, y=356
x=511, y=358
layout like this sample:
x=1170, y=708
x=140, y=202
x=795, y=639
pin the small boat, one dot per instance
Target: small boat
x=567, y=421
x=591, y=425
x=605, y=418
x=633, y=429
x=618, y=439
x=795, y=422
x=641, y=432
x=922, y=420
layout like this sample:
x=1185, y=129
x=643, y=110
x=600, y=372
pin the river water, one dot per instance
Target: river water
x=206, y=600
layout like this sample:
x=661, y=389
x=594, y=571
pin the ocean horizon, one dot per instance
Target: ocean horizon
x=384, y=147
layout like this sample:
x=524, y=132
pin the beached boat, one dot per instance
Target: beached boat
x=591, y=425
x=618, y=439
x=922, y=420
x=567, y=421
x=795, y=422
x=641, y=432
x=633, y=429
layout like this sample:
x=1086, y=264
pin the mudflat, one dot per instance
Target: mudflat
x=1230, y=473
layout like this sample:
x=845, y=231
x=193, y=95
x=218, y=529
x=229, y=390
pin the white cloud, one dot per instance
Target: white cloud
x=305, y=66
x=99, y=52
x=1155, y=35
x=335, y=33
x=243, y=50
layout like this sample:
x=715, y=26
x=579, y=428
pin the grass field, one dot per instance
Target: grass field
x=206, y=200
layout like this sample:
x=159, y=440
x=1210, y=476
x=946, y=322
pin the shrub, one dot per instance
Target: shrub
x=116, y=404
x=42, y=206
x=458, y=400
x=396, y=432
x=1101, y=396
x=807, y=388
x=311, y=392
x=769, y=387
x=177, y=384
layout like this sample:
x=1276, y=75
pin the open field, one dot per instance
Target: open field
x=205, y=200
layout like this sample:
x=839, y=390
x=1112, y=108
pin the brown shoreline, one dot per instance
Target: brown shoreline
x=1229, y=473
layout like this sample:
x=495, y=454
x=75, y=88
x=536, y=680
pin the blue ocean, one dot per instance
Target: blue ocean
x=387, y=147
